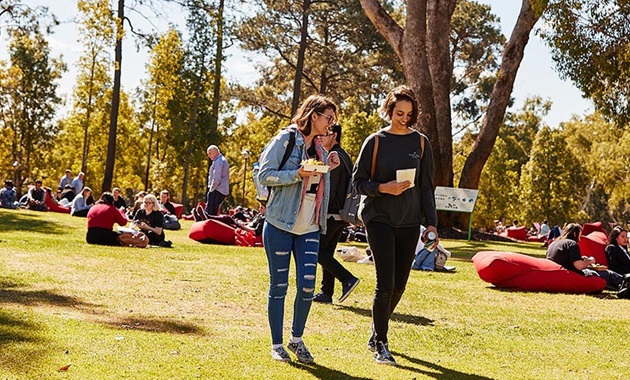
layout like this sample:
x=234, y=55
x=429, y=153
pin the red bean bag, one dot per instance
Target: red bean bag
x=594, y=245
x=587, y=228
x=52, y=206
x=212, y=232
x=518, y=233
x=521, y=272
x=179, y=208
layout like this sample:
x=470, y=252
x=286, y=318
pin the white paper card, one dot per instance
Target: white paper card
x=406, y=175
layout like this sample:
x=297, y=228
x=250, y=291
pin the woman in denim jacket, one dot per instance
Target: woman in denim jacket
x=295, y=216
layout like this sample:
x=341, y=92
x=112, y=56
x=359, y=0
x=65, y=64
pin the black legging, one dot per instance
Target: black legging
x=393, y=250
x=102, y=236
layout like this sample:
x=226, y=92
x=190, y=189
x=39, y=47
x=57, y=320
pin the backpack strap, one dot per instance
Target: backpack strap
x=374, y=152
x=290, y=145
x=287, y=153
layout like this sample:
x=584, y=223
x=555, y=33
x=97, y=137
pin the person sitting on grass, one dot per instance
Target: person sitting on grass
x=100, y=222
x=8, y=195
x=617, y=251
x=37, y=197
x=119, y=201
x=81, y=204
x=150, y=220
x=566, y=252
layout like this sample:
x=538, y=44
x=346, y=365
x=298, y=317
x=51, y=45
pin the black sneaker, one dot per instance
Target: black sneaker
x=382, y=354
x=625, y=282
x=322, y=298
x=302, y=353
x=348, y=287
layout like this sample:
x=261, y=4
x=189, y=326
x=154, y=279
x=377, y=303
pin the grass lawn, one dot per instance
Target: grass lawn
x=199, y=312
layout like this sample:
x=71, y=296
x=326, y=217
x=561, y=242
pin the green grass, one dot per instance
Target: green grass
x=199, y=312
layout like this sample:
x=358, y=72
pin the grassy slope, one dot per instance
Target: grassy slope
x=199, y=311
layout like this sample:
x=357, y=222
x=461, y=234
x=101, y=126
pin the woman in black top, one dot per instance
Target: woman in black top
x=394, y=211
x=617, y=250
x=150, y=220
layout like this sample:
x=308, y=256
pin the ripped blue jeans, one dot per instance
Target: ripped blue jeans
x=278, y=247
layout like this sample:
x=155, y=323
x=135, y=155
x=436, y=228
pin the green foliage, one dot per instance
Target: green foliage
x=28, y=101
x=602, y=147
x=476, y=44
x=498, y=188
x=590, y=45
x=553, y=181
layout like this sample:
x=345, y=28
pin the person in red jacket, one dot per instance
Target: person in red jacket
x=101, y=219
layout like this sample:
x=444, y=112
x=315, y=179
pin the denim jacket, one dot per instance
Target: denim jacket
x=286, y=194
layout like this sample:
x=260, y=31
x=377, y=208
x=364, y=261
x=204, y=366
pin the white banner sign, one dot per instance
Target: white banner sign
x=452, y=199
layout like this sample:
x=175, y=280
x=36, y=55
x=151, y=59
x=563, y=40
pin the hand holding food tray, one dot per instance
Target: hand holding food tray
x=406, y=175
x=314, y=165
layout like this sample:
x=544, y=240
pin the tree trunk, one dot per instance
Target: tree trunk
x=297, y=83
x=439, y=13
x=148, y=169
x=216, y=95
x=512, y=57
x=113, y=119
x=88, y=114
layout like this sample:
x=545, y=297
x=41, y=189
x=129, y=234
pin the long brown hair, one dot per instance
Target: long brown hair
x=314, y=103
x=571, y=231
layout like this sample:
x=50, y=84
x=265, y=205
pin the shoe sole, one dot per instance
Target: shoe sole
x=385, y=362
x=344, y=296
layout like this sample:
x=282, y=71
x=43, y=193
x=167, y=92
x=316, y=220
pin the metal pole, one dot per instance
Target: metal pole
x=244, y=178
x=470, y=227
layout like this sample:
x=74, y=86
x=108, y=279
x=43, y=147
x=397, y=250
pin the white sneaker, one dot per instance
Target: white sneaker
x=280, y=354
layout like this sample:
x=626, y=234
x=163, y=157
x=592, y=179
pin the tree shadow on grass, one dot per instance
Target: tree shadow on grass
x=14, y=221
x=436, y=371
x=154, y=325
x=24, y=338
x=397, y=317
x=326, y=373
x=9, y=294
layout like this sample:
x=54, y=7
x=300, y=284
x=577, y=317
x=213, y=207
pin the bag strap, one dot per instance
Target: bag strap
x=374, y=152
x=287, y=152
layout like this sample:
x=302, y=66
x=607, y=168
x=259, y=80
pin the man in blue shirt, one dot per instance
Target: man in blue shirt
x=218, y=181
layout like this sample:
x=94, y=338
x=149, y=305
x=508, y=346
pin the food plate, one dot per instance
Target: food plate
x=597, y=267
x=317, y=168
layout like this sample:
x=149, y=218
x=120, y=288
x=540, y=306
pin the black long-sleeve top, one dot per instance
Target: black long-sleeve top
x=618, y=260
x=415, y=206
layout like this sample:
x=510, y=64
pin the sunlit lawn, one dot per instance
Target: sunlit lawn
x=199, y=312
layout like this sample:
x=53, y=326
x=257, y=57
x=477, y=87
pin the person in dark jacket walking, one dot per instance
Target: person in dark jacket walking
x=328, y=243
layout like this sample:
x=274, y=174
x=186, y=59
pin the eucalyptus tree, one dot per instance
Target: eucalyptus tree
x=421, y=42
x=198, y=79
x=28, y=101
x=340, y=55
x=96, y=28
x=589, y=43
x=157, y=97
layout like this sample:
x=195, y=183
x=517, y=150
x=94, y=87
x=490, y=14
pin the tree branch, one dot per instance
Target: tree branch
x=385, y=24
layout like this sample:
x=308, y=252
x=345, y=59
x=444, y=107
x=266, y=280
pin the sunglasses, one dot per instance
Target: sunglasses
x=331, y=119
